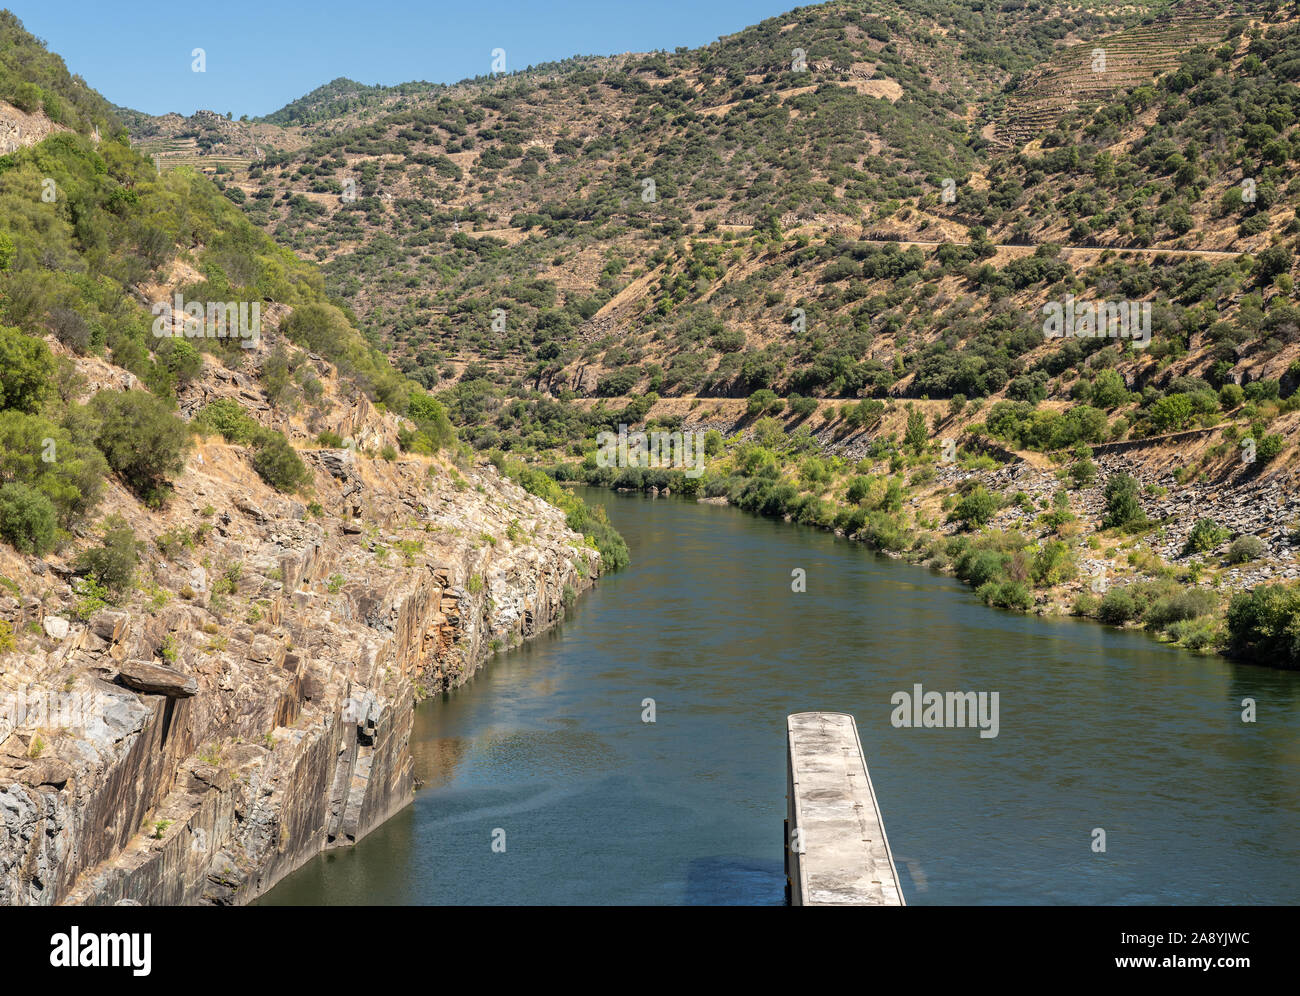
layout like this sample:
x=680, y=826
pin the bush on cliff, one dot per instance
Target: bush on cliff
x=279, y=465
x=112, y=564
x=26, y=370
x=434, y=430
x=58, y=462
x=27, y=519
x=141, y=439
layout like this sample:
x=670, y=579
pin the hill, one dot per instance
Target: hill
x=236, y=546
x=843, y=212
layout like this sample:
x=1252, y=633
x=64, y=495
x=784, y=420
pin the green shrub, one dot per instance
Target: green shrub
x=1179, y=606
x=979, y=567
x=1054, y=564
x=72, y=480
x=27, y=519
x=1245, y=549
x=227, y=417
x=430, y=418
x=1085, y=604
x=1117, y=607
x=1122, y=505
x=1195, y=634
x=1108, y=390
x=1270, y=446
x=1083, y=473
x=26, y=370
x=1264, y=625
x=279, y=465
x=140, y=437
x=112, y=564
x=975, y=508
x=1206, y=534
x=761, y=402
x=1006, y=595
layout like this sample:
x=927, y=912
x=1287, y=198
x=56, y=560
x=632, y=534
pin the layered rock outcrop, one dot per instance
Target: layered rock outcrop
x=251, y=704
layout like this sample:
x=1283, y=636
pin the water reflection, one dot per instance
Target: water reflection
x=1098, y=728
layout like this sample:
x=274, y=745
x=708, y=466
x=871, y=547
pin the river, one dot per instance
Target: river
x=546, y=750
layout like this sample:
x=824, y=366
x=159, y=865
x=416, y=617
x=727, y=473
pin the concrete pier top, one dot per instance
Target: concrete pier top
x=836, y=848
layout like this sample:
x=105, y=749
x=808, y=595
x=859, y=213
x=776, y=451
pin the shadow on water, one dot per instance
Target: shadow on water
x=734, y=882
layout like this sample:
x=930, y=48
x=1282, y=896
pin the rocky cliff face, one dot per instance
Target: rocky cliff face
x=251, y=704
x=19, y=129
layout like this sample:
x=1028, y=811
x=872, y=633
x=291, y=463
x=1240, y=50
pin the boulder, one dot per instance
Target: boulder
x=157, y=679
x=110, y=626
x=56, y=627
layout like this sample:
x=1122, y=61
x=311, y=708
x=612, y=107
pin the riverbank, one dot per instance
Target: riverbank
x=550, y=752
x=1125, y=539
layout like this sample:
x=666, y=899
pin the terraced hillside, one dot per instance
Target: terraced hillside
x=174, y=152
x=206, y=141
x=1079, y=77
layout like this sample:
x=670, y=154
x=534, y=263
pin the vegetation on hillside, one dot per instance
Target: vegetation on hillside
x=84, y=225
x=36, y=80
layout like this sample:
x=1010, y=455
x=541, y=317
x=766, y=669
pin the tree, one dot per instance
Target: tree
x=26, y=370
x=61, y=463
x=179, y=358
x=142, y=440
x=1206, y=534
x=430, y=418
x=801, y=406
x=1122, y=505
x=26, y=96
x=1108, y=390
x=976, y=508
x=866, y=412
x=1264, y=625
x=1270, y=446
x=27, y=519
x=760, y=401
x=1053, y=564
x=275, y=374
x=916, y=435
x=1171, y=413
x=1083, y=473
x=113, y=563
x=1272, y=261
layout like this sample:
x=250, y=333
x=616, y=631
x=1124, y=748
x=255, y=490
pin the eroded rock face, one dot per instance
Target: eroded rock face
x=202, y=740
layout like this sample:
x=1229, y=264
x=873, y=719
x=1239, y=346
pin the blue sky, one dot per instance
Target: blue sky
x=261, y=55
